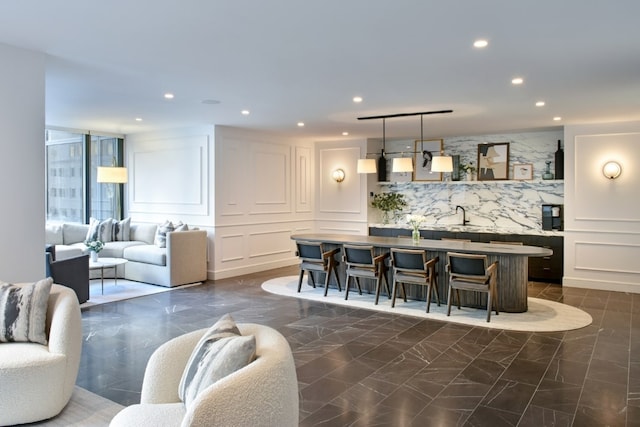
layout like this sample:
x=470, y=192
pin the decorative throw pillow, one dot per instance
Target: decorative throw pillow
x=179, y=226
x=220, y=352
x=23, y=311
x=121, y=230
x=99, y=230
x=161, y=234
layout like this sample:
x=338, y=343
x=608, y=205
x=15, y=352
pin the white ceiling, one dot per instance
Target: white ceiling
x=294, y=60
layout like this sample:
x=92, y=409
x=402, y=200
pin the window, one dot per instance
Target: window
x=72, y=159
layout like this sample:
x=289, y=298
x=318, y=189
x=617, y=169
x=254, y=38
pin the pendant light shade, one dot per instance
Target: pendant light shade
x=442, y=164
x=402, y=164
x=366, y=166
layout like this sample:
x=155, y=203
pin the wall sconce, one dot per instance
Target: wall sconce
x=442, y=164
x=402, y=164
x=338, y=175
x=612, y=170
x=367, y=166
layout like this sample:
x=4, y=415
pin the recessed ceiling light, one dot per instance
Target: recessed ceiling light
x=480, y=43
x=517, y=81
x=138, y=119
x=245, y=112
x=557, y=118
x=345, y=133
x=357, y=99
x=540, y=104
x=300, y=124
x=168, y=95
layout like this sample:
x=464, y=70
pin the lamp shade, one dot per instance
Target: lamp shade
x=366, y=166
x=442, y=164
x=117, y=175
x=402, y=164
x=612, y=170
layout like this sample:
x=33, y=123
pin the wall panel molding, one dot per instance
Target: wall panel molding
x=607, y=257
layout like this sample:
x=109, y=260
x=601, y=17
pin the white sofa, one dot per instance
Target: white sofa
x=263, y=393
x=36, y=381
x=183, y=261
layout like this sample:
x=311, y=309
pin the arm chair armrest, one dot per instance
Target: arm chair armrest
x=381, y=257
x=492, y=271
x=165, y=366
x=331, y=253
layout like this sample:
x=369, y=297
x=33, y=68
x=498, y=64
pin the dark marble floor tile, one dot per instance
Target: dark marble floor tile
x=485, y=416
x=536, y=416
x=525, y=371
x=364, y=368
x=509, y=396
x=557, y=396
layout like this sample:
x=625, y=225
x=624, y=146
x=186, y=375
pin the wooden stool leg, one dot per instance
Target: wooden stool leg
x=358, y=283
x=346, y=288
x=378, y=282
x=393, y=297
x=449, y=295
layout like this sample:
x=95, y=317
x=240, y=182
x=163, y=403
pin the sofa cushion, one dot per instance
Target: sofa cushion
x=143, y=233
x=116, y=249
x=147, y=254
x=70, y=251
x=220, y=352
x=99, y=230
x=121, y=230
x=53, y=234
x=161, y=234
x=74, y=232
x=23, y=311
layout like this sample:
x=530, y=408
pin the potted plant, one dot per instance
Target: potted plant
x=468, y=170
x=389, y=203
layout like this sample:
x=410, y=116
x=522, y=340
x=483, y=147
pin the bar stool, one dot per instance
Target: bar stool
x=469, y=272
x=313, y=257
x=362, y=262
x=412, y=266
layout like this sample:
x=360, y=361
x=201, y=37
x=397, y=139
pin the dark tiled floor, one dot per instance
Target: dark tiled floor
x=363, y=368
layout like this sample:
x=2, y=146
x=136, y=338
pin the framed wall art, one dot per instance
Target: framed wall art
x=523, y=171
x=423, y=153
x=493, y=161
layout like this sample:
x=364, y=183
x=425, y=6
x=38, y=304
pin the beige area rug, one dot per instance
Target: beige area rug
x=542, y=315
x=85, y=409
x=125, y=289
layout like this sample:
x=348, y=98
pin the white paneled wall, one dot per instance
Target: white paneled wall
x=602, y=216
x=264, y=194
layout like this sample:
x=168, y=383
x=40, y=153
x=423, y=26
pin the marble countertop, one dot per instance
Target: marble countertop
x=470, y=228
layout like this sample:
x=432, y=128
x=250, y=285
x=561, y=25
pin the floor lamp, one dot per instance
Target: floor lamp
x=116, y=176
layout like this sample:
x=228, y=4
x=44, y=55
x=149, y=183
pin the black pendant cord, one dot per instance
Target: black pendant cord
x=383, y=136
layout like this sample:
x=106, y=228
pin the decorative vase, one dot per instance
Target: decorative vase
x=469, y=176
x=559, y=162
x=547, y=173
x=94, y=256
x=415, y=235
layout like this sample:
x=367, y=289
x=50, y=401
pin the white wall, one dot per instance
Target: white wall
x=341, y=206
x=264, y=194
x=602, y=216
x=22, y=188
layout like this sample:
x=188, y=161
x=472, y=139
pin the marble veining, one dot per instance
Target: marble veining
x=514, y=206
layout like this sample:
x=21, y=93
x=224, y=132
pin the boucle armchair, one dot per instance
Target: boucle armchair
x=263, y=393
x=36, y=381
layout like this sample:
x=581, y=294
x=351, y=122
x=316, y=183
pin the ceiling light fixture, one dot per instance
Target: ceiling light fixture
x=557, y=118
x=138, y=119
x=357, y=99
x=517, y=81
x=398, y=164
x=345, y=133
x=168, y=96
x=245, y=112
x=480, y=43
x=300, y=124
x=540, y=104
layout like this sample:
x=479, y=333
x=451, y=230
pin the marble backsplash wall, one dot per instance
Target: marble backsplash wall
x=505, y=205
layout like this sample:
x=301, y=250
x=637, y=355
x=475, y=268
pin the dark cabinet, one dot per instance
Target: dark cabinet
x=548, y=269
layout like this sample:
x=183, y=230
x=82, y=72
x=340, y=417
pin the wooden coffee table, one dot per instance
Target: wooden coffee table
x=104, y=263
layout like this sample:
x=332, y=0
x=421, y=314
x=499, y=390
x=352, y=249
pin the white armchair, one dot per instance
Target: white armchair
x=263, y=393
x=36, y=381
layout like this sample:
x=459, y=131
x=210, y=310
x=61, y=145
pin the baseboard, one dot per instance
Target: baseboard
x=249, y=269
x=573, y=282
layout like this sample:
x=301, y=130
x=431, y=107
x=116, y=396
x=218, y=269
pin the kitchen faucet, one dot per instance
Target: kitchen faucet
x=465, y=221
